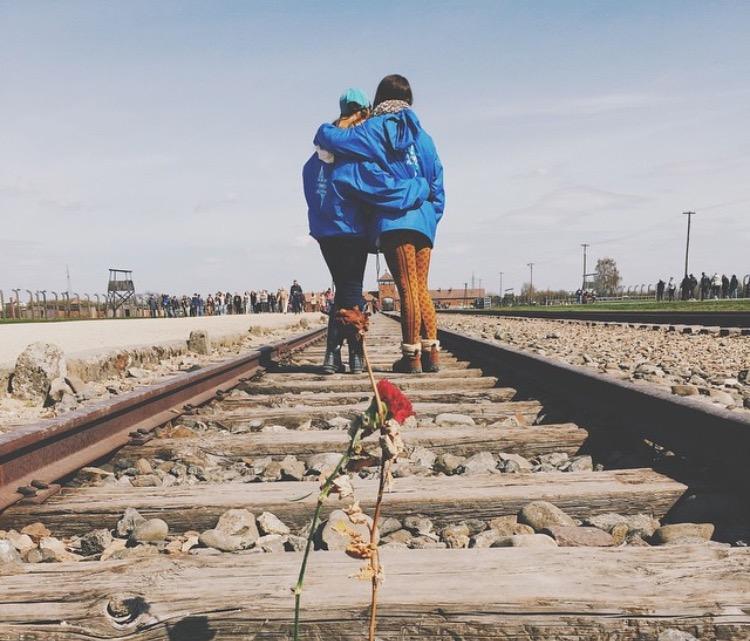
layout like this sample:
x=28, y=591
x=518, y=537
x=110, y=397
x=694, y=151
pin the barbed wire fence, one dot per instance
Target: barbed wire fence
x=25, y=304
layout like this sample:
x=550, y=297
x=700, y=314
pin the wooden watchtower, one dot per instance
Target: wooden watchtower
x=120, y=291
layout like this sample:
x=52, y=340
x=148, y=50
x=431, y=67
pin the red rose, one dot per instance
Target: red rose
x=399, y=407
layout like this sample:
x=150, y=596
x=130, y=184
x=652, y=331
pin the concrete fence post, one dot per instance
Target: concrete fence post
x=31, y=302
x=43, y=292
x=17, y=310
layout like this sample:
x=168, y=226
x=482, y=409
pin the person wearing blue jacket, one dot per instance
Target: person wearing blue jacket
x=394, y=139
x=341, y=193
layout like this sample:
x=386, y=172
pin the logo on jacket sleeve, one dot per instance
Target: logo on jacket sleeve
x=322, y=185
x=412, y=159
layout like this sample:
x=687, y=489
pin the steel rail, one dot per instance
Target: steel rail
x=32, y=457
x=698, y=318
x=696, y=430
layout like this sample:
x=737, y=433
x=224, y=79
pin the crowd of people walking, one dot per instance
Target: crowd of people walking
x=704, y=288
x=263, y=301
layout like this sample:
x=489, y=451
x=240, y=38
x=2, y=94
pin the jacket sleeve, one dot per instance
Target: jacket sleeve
x=367, y=182
x=350, y=142
x=437, y=192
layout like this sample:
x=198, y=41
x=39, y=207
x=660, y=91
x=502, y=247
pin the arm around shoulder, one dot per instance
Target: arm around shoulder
x=351, y=142
x=369, y=183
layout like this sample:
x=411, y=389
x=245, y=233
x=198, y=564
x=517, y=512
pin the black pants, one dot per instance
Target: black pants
x=346, y=257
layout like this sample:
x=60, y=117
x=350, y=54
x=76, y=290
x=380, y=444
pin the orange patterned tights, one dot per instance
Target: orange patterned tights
x=408, y=256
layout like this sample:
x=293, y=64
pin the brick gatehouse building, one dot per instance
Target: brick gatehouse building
x=443, y=298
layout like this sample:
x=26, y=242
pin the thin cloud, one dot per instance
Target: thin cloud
x=581, y=106
x=574, y=202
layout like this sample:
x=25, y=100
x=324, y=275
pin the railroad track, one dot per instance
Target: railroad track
x=724, y=323
x=531, y=571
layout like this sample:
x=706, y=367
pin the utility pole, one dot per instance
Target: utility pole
x=531, y=278
x=689, y=214
x=500, y=291
x=583, y=284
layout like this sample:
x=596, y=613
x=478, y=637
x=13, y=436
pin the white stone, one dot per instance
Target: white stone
x=199, y=342
x=423, y=457
x=526, y=541
x=522, y=463
x=271, y=524
x=36, y=367
x=448, y=419
x=241, y=523
x=8, y=553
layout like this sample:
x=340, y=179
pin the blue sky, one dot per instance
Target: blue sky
x=168, y=137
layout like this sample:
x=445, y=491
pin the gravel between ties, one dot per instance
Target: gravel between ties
x=704, y=366
x=239, y=531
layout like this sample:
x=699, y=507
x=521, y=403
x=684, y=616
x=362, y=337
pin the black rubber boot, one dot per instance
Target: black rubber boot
x=356, y=356
x=332, y=363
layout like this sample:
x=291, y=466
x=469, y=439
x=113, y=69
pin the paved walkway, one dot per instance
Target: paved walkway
x=75, y=337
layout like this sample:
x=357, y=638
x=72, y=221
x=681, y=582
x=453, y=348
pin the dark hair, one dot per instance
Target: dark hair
x=393, y=87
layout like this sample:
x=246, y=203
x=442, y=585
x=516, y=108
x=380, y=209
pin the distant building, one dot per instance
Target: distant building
x=449, y=298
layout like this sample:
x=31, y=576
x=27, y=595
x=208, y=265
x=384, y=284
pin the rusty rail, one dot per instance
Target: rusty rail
x=33, y=457
x=694, y=429
x=722, y=319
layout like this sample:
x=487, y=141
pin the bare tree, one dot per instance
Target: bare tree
x=607, y=277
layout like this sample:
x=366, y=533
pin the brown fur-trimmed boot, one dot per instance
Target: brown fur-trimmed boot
x=430, y=355
x=411, y=361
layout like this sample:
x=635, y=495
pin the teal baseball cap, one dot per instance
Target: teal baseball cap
x=350, y=97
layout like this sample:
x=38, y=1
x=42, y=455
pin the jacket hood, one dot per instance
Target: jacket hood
x=401, y=130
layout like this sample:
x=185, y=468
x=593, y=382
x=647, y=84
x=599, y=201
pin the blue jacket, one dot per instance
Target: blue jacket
x=398, y=143
x=340, y=196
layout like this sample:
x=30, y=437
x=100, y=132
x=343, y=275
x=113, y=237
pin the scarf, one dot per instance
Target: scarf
x=390, y=107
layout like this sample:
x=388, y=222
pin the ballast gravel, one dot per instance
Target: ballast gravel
x=40, y=384
x=239, y=531
x=705, y=366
